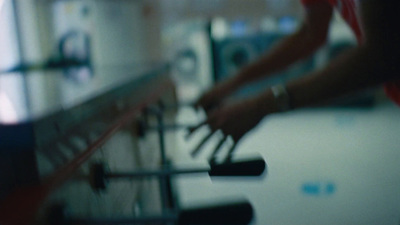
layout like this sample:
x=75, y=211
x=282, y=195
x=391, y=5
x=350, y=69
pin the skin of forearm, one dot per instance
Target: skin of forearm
x=357, y=69
x=299, y=45
x=293, y=48
x=373, y=63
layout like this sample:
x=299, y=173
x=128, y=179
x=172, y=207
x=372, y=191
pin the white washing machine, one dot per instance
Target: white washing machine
x=188, y=49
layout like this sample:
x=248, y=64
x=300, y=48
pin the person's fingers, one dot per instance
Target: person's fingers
x=217, y=148
x=207, y=104
x=212, y=120
x=197, y=105
x=230, y=152
x=201, y=144
x=203, y=102
x=193, y=129
x=210, y=111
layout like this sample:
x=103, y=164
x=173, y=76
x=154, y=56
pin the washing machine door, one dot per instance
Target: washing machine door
x=239, y=54
x=234, y=54
x=186, y=64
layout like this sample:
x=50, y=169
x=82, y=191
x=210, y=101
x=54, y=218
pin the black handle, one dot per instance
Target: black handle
x=238, y=213
x=253, y=167
x=229, y=213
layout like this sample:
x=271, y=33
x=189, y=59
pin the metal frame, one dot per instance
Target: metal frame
x=21, y=206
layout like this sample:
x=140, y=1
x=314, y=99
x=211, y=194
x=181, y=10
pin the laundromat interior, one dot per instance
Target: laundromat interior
x=97, y=101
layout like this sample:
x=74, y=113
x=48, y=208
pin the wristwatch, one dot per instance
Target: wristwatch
x=281, y=97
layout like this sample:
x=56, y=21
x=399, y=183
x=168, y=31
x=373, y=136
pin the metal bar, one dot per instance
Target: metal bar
x=167, y=199
x=163, y=179
x=168, y=127
x=160, y=121
x=157, y=173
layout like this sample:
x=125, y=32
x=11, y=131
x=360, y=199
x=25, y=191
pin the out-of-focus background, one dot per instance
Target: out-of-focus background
x=335, y=164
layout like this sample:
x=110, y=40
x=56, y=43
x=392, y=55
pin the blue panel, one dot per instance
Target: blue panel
x=287, y=24
x=239, y=28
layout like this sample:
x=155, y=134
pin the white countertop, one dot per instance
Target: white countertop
x=325, y=166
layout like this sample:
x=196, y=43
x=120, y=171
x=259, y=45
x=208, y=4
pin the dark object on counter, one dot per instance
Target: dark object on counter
x=253, y=167
x=236, y=213
x=233, y=213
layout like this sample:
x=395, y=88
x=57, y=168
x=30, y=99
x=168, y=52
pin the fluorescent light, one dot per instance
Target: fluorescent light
x=8, y=114
x=219, y=28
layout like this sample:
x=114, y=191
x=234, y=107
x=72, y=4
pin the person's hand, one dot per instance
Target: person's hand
x=209, y=100
x=234, y=121
x=213, y=98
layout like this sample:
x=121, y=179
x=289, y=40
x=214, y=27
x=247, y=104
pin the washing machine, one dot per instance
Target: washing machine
x=188, y=49
x=232, y=53
x=73, y=28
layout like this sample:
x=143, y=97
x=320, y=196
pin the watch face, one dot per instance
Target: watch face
x=281, y=97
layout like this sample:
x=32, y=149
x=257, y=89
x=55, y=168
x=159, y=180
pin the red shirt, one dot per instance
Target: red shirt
x=349, y=11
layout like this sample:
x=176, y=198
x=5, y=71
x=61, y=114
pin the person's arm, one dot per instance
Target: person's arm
x=304, y=42
x=371, y=64
x=297, y=46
